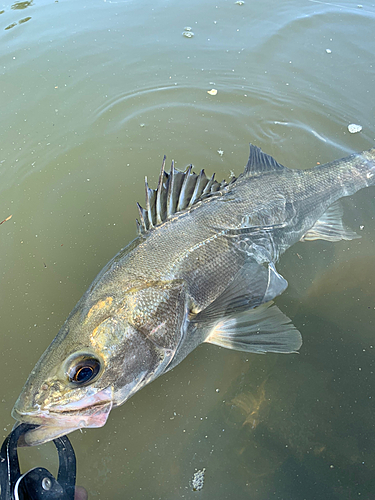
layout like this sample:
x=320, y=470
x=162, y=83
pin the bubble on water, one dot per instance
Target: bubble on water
x=198, y=480
x=354, y=128
x=188, y=32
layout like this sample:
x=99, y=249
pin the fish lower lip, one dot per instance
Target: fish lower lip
x=54, y=425
x=58, y=420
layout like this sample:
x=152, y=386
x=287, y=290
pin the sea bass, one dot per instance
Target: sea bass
x=202, y=269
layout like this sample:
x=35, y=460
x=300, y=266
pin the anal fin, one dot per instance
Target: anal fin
x=330, y=227
x=259, y=330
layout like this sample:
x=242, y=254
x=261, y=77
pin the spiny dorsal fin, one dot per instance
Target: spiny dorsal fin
x=176, y=192
x=260, y=163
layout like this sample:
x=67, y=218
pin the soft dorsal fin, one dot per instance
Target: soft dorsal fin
x=260, y=163
x=176, y=192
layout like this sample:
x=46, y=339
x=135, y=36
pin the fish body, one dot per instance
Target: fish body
x=202, y=269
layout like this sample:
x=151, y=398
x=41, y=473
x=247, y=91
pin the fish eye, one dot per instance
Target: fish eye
x=84, y=371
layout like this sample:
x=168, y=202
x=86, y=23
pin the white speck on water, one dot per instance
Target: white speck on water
x=354, y=128
x=329, y=51
x=198, y=480
x=220, y=151
x=217, y=390
x=239, y=2
x=188, y=34
x=361, y=227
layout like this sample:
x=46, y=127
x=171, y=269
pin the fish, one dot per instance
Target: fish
x=201, y=269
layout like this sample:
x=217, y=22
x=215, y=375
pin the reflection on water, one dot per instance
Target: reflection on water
x=21, y=5
x=250, y=403
x=93, y=95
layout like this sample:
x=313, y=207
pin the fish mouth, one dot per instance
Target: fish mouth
x=59, y=420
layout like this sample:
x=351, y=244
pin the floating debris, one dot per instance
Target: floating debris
x=354, y=128
x=220, y=151
x=329, y=51
x=24, y=20
x=21, y=5
x=212, y=92
x=187, y=33
x=6, y=220
x=198, y=480
x=239, y=2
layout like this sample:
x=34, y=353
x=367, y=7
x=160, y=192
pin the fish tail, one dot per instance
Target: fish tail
x=339, y=178
x=352, y=173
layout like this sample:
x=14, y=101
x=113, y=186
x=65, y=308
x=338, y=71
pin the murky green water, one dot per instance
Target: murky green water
x=92, y=95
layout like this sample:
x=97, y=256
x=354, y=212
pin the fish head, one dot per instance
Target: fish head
x=105, y=352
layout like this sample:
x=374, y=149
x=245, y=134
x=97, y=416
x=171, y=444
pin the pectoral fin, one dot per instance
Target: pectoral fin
x=239, y=318
x=253, y=285
x=330, y=227
x=259, y=330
